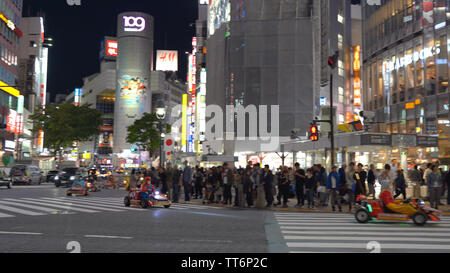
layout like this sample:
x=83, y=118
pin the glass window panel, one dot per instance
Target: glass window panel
x=442, y=63
x=418, y=59
x=430, y=64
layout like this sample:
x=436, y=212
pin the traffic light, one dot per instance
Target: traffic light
x=314, y=133
x=333, y=60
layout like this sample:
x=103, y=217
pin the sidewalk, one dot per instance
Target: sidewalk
x=444, y=208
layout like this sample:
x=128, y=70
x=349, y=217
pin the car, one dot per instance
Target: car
x=26, y=174
x=51, y=175
x=388, y=209
x=66, y=177
x=5, y=179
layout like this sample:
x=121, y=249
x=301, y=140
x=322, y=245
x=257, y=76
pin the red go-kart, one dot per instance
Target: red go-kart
x=388, y=209
x=147, y=199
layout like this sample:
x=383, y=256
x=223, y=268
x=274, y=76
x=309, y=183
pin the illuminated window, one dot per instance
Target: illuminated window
x=340, y=42
x=341, y=94
x=340, y=18
x=341, y=68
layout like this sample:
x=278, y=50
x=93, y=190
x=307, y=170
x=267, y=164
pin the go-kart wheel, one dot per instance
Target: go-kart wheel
x=362, y=216
x=86, y=193
x=127, y=201
x=144, y=203
x=420, y=218
x=69, y=194
x=167, y=206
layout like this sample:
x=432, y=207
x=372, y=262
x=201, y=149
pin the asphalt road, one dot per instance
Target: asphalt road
x=42, y=219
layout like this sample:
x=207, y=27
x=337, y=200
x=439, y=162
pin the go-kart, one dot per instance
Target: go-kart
x=150, y=199
x=124, y=183
x=78, y=188
x=110, y=185
x=92, y=187
x=388, y=209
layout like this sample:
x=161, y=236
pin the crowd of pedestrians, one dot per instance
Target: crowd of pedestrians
x=257, y=186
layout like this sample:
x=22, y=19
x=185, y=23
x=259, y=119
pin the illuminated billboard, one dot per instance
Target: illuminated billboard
x=356, y=76
x=167, y=60
x=111, y=48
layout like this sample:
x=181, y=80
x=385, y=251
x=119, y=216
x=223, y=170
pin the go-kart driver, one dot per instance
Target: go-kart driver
x=79, y=182
x=396, y=205
x=146, y=188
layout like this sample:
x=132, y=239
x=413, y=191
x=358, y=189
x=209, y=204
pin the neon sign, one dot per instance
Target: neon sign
x=134, y=24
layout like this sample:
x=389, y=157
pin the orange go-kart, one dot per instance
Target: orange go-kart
x=110, y=184
x=388, y=209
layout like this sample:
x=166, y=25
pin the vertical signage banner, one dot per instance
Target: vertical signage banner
x=356, y=76
x=184, y=123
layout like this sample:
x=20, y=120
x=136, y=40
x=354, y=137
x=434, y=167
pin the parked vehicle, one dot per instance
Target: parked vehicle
x=51, y=175
x=26, y=174
x=66, y=177
x=5, y=179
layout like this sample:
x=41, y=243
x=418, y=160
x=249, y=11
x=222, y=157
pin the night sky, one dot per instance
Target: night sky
x=78, y=30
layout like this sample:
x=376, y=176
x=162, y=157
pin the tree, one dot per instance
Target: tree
x=144, y=134
x=65, y=123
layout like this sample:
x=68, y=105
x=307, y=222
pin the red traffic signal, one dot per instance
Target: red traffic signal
x=313, y=133
x=332, y=60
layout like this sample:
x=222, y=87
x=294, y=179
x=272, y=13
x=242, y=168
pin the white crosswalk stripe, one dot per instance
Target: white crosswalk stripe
x=340, y=233
x=72, y=205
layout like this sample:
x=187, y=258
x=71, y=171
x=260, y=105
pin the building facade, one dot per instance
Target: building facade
x=406, y=73
x=10, y=35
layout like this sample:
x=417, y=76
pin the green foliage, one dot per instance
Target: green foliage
x=144, y=133
x=65, y=123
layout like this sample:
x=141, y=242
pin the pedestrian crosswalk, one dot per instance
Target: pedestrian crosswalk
x=341, y=233
x=13, y=207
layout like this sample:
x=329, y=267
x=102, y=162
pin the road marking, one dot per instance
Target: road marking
x=20, y=211
x=27, y=206
x=375, y=237
x=77, y=205
x=32, y=201
x=364, y=245
x=362, y=228
x=120, y=207
x=107, y=237
x=19, y=233
x=356, y=233
x=4, y=215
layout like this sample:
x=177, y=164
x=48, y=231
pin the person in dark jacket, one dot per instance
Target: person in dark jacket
x=360, y=177
x=333, y=188
x=176, y=183
x=248, y=187
x=400, y=185
x=447, y=182
x=267, y=182
x=163, y=180
x=310, y=186
x=284, y=186
x=300, y=176
x=371, y=180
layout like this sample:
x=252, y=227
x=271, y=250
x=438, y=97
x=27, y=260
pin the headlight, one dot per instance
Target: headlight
x=56, y=177
x=157, y=192
x=72, y=178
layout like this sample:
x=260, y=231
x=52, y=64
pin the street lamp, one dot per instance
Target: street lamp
x=161, y=115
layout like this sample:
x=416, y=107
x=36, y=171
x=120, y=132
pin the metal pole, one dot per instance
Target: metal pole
x=331, y=119
x=160, y=144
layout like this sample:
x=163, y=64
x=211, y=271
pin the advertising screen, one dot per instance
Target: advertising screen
x=167, y=60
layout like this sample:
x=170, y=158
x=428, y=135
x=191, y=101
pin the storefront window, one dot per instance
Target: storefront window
x=411, y=126
x=401, y=75
x=418, y=59
x=409, y=72
x=402, y=126
x=394, y=128
x=442, y=63
x=430, y=64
